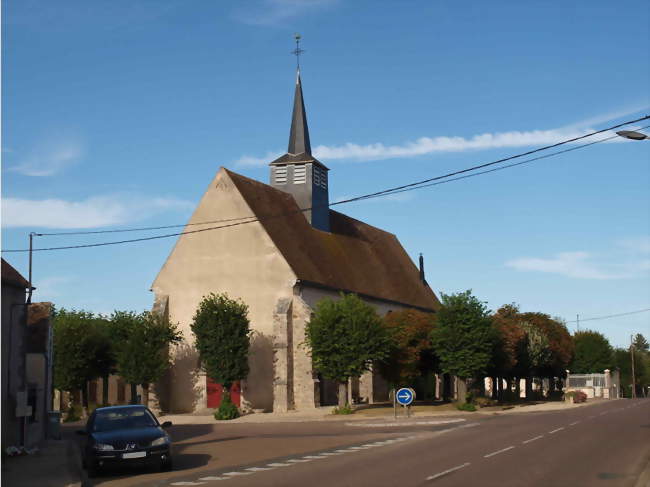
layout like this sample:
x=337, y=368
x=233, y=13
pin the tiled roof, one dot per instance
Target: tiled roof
x=354, y=256
x=12, y=277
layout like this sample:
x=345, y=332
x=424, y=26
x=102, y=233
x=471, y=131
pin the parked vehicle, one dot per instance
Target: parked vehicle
x=124, y=435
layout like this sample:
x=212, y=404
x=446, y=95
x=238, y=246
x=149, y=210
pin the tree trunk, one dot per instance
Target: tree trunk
x=84, y=399
x=495, y=386
x=105, y=390
x=134, y=394
x=145, y=394
x=517, y=388
x=343, y=394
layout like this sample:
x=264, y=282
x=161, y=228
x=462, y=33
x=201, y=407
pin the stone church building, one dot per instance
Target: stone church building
x=280, y=249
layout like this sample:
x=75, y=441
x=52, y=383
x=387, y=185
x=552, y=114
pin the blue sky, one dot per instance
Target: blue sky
x=119, y=113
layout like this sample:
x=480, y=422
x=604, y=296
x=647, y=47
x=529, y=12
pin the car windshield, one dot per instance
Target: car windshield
x=127, y=418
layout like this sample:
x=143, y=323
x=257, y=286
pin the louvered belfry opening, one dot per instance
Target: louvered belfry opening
x=299, y=173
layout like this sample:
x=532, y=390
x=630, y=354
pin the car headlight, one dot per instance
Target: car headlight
x=103, y=446
x=163, y=440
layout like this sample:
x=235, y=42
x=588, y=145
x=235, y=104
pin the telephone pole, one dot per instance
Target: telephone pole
x=633, y=377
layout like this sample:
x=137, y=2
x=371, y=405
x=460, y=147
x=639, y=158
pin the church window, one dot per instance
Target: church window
x=299, y=174
x=281, y=175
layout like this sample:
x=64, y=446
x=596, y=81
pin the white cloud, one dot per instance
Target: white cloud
x=583, y=265
x=89, y=213
x=640, y=245
x=50, y=158
x=272, y=12
x=427, y=145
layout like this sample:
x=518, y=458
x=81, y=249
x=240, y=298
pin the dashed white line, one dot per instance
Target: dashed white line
x=329, y=453
x=188, y=483
x=433, y=477
x=279, y=465
x=574, y=423
x=299, y=460
x=532, y=439
x=210, y=478
x=313, y=457
x=258, y=469
x=236, y=474
x=497, y=452
x=556, y=430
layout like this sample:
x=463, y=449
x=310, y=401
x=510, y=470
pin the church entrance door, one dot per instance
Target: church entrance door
x=215, y=391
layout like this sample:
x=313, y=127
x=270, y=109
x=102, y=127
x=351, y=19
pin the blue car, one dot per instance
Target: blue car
x=125, y=435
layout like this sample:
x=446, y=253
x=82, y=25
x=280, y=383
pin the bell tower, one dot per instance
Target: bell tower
x=299, y=173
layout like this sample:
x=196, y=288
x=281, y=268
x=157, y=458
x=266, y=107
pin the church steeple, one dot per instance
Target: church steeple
x=299, y=136
x=297, y=172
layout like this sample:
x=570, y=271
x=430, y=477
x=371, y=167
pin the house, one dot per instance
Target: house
x=14, y=344
x=280, y=249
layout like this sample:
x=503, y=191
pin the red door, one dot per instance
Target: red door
x=215, y=390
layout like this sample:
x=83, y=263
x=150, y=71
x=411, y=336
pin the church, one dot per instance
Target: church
x=280, y=249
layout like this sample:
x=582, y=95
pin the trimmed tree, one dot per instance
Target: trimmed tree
x=593, y=353
x=411, y=353
x=640, y=343
x=81, y=351
x=345, y=337
x=509, y=340
x=142, y=353
x=222, y=331
x=463, y=337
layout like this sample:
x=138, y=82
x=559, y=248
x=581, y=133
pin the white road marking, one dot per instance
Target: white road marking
x=236, y=474
x=313, y=457
x=533, y=439
x=574, y=423
x=433, y=477
x=188, y=483
x=347, y=451
x=329, y=453
x=299, y=460
x=359, y=447
x=211, y=478
x=497, y=452
x=556, y=430
x=279, y=465
x=258, y=469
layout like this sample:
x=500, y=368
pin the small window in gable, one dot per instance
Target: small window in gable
x=299, y=174
x=281, y=175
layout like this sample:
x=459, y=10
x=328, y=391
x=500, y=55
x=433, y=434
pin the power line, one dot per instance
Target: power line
x=398, y=189
x=372, y=195
x=610, y=316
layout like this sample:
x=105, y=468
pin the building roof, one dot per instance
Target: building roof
x=353, y=256
x=12, y=277
x=299, y=150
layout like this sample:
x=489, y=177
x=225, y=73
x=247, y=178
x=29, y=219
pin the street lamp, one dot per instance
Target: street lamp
x=631, y=134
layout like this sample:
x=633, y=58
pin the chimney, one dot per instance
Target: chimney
x=424, y=281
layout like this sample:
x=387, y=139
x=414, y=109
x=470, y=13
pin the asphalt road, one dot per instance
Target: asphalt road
x=607, y=444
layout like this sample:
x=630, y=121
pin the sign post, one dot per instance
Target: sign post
x=405, y=397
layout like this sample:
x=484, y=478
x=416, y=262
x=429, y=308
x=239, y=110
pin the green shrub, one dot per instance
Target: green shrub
x=344, y=410
x=578, y=396
x=484, y=402
x=226, y=410
x=466, y=407
x=469, y=397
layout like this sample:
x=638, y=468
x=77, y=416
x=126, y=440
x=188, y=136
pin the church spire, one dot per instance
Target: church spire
x=299, y=136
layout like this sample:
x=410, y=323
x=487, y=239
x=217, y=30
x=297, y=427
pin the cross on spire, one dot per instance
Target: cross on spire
x=297, y=51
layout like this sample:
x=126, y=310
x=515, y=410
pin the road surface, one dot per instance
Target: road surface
x=605, y=444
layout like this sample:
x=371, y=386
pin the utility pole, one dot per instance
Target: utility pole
x=29, y=291
x=578, y=322
x=633, y=377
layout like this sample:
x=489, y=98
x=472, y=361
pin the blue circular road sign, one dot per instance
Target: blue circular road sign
x=404, y=396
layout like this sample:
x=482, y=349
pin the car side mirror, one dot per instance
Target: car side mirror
x=166, y=424
x=81, y=432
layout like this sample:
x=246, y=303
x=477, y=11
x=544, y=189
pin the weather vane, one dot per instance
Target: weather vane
x=297, y=51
